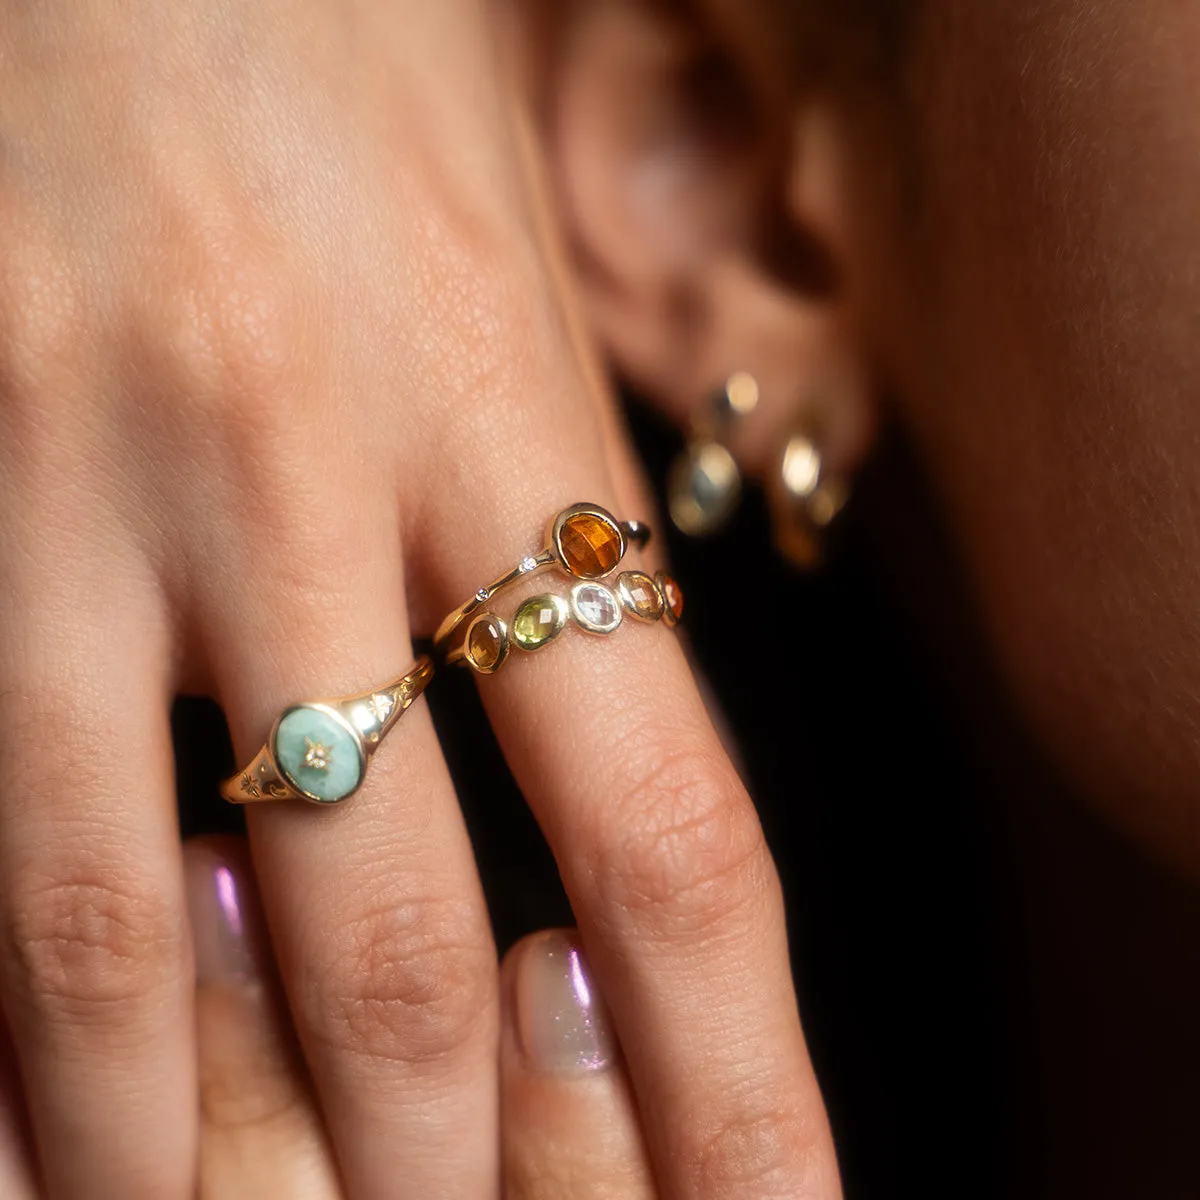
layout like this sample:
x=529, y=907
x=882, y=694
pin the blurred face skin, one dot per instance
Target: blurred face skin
x=1043, y=329
x=1012, y=231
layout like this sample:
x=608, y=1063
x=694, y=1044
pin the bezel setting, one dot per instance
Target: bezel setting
x=579, y=595
x=353, y=735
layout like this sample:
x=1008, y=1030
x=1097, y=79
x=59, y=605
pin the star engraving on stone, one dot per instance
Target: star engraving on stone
x=316, y=755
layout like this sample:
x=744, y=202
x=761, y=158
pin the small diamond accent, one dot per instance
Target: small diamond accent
x=482, y=595
x=316, y=755
x=528, y=564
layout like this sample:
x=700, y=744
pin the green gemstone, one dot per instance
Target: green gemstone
x=318, y=754
x=538, y=621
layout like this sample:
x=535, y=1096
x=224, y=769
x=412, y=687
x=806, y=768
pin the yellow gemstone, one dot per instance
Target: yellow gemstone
x=486, y=644
x=641, y=596
x=539, y=621
x=590, y=545
x=672, y=595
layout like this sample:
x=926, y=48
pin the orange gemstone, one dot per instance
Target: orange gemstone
x=590, y=545
x=641, y=596
x=486, y=644
x=673, y=595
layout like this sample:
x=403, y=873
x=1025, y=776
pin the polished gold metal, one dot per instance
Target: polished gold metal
x=805, y=498
x=553, y=554
x=594, y=608
x=360, y=721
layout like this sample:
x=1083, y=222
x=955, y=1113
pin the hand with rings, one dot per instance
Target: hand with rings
x=286, y=376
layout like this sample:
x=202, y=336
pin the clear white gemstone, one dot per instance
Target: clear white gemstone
x=595, y=608
x=482, y=595
x=528, y=564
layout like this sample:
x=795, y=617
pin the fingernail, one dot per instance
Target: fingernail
x=561, y=1022
x=218, y=912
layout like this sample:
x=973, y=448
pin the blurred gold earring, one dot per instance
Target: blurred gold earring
x=805, y=498
x=704, y=484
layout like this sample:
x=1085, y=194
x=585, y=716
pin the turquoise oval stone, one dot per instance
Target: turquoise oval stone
x=318, y=754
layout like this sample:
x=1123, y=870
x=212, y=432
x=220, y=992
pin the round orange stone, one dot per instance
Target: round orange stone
x=590, y=545
x=641, y=596
x=486, y=644
x=672, y=594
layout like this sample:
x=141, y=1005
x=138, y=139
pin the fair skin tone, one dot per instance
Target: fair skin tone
x=217, y=323
x=567, y=1134
x=287, y=375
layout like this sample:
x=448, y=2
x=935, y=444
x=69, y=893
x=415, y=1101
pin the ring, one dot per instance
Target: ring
x=318, y=751
x=585, y=540
x=591, y=606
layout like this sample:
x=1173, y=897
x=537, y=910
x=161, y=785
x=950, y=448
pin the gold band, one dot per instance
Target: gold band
x=591, y=606
x=318, y=751
x=585, y=541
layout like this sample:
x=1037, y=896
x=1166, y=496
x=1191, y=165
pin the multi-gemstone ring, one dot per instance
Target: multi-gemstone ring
x=319, y=750
x=587, y=543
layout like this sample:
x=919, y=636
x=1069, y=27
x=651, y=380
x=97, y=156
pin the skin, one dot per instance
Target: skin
x=567, y=1135
x=287, y=372
x=1004, y=209
x=1042, y=365
x=1008, y=214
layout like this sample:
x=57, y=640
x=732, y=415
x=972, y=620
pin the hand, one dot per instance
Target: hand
x=284, y=374
x=570, y=1125
x=570, y=1128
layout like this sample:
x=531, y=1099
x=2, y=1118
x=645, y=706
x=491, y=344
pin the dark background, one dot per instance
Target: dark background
x=999, y=994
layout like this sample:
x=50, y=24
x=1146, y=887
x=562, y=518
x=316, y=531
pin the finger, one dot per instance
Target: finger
x=17, y=1171
x=669, y=876
x=93, y=962
x=661, y=853
x=570, y=1124
x=260, y=1132
x=375, y=908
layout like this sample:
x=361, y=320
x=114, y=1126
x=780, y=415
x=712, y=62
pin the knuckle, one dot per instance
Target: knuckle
x=234, y=322
x=413, y=983
x=684, y=848
x=491, y=291
x=87, y=942
x=253, y=1106
x=40, y=307
x=263, y=1089
x=764, y=1155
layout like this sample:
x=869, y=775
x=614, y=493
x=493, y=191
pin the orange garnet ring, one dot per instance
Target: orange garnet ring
x=587, y=544
x=585, y=541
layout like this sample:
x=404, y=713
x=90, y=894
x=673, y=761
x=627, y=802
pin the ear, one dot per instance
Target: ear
x=706, y=215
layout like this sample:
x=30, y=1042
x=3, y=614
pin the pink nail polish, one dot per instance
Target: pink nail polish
x=218, y=915
x=562, y=1023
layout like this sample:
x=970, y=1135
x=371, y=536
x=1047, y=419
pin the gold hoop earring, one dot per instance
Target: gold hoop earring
x=704, y=484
